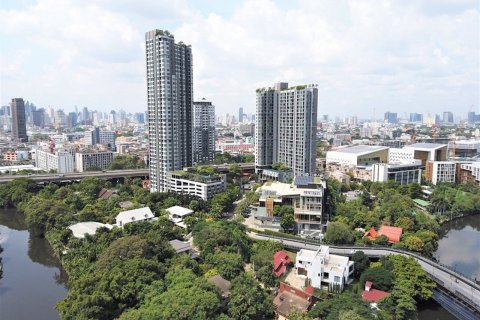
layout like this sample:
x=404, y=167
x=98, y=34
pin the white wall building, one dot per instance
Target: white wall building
x=322, y=268
x=177, y=214
x=60, y=161
x=135, y=215
x=361, y=155
x=204, y=187
x=92, y=159
x=441, y=171
x=401, y=173
x=401, y=155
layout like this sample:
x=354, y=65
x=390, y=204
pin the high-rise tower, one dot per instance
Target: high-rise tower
x=19, y=125
x=203, y=132
x=286, y=128
x=169, y=96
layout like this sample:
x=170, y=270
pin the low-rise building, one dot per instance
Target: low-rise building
x=276, y=175
x=281, y=261
x=290, y=299
x=135, y=215
x=324, y=269
x=392, y=233
x=361, y=155
x=204, y=187
x=441, y=171
x=81, y=229
x=305, y=194
x=177, y=214
x=470, y=172
x=181, y=246
x=401, y=173
x=373, y=295
x=87, y=159
x=428, y=152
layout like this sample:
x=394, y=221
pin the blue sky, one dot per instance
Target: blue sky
x=403, y=56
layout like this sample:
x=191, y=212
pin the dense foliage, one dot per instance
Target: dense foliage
x=126, y=162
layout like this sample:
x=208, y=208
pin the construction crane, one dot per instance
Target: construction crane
x=413, y=133
x=454, y=144
x=434, y=132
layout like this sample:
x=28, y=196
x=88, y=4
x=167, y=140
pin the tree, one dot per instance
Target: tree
x=186, y=296
x=229, y=265
x=406, y=223
x=330, y=309
x=415, y=190
x=122, y=249
x=248, y=300
x=414, y=243
x=381, y=278
x=361, y=262
x=381, y=240
x=338, y=233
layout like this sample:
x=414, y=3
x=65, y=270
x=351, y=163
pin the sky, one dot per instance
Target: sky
x=366, y=56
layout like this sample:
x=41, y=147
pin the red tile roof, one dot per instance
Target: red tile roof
x=374, y=295
x=371, y=234
x=393, y=233
x=280, y=262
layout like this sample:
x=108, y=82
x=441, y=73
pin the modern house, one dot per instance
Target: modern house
x=135, y=215
x=305, y=194
x=177, y=214
x=324, y=269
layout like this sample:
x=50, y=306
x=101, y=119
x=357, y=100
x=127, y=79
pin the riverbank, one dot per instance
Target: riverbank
x=33, y=280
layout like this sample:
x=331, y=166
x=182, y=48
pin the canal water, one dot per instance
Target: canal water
x=33, y=281
x=459, y=249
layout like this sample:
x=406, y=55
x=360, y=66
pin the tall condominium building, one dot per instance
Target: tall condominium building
x=169, y=96
x=286, y=127
x=19, y=125
x=390, y=117
x=203, y=132
x=447, y=117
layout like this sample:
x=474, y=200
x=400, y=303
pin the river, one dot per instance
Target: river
x=458, y=248
x=33, y=281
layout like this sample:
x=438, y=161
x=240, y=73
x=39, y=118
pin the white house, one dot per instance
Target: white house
x=322, y=268
x=176, y=214
x=80, y=229
x=135, y=215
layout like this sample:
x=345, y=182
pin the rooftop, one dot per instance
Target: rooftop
x=80, y=229
x=180, y=246
x=135, y=214
x=179, y=211
x=425, y=146
x=360, y=149
x=374, y=295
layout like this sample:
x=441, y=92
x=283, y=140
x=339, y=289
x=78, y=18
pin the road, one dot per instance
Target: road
x=456, y=284
x=78, y=175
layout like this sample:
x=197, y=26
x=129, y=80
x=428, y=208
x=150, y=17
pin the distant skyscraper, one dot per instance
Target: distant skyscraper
x=240, y=115
x=169, y=96
x=473, y=117
x=416, y=117
x=391, y=117
x=85, y=115
x=286, y=127
x=203, y=141
x=38, y=117
x=19, y=125
x=140, y=117
x=72, y=119
x=447, y=117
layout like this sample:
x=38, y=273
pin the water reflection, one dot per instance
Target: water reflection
x=33, y=281
x=459, y=246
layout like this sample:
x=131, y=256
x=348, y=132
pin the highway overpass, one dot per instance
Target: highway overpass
x=108, y=174
x=452, y=284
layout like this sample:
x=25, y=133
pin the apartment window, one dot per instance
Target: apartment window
x=336, y=279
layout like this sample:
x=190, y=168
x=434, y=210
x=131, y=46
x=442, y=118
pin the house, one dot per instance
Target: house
x=80, y=229
x=392, y=233
x=135, y=215
x=105, y=194
x=373, y=295
x=280, y=262
x=289, y=298
x=177, y=214
x=324, y=269
x=180, y=246
x=222, y=285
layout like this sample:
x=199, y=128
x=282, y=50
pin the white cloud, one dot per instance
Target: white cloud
x=363, y=54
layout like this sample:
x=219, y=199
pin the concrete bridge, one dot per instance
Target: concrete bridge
x=66, y=177
x=457, y=293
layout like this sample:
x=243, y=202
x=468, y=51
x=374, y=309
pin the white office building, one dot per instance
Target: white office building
x=401, y=155
x=203, y=142
x=169, y=98
x=60, y=161
x=86, y=159
x=286, y=127
x=401, y=173
x=441, y=171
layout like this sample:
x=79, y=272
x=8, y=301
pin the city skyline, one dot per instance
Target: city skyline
x=389, y=57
